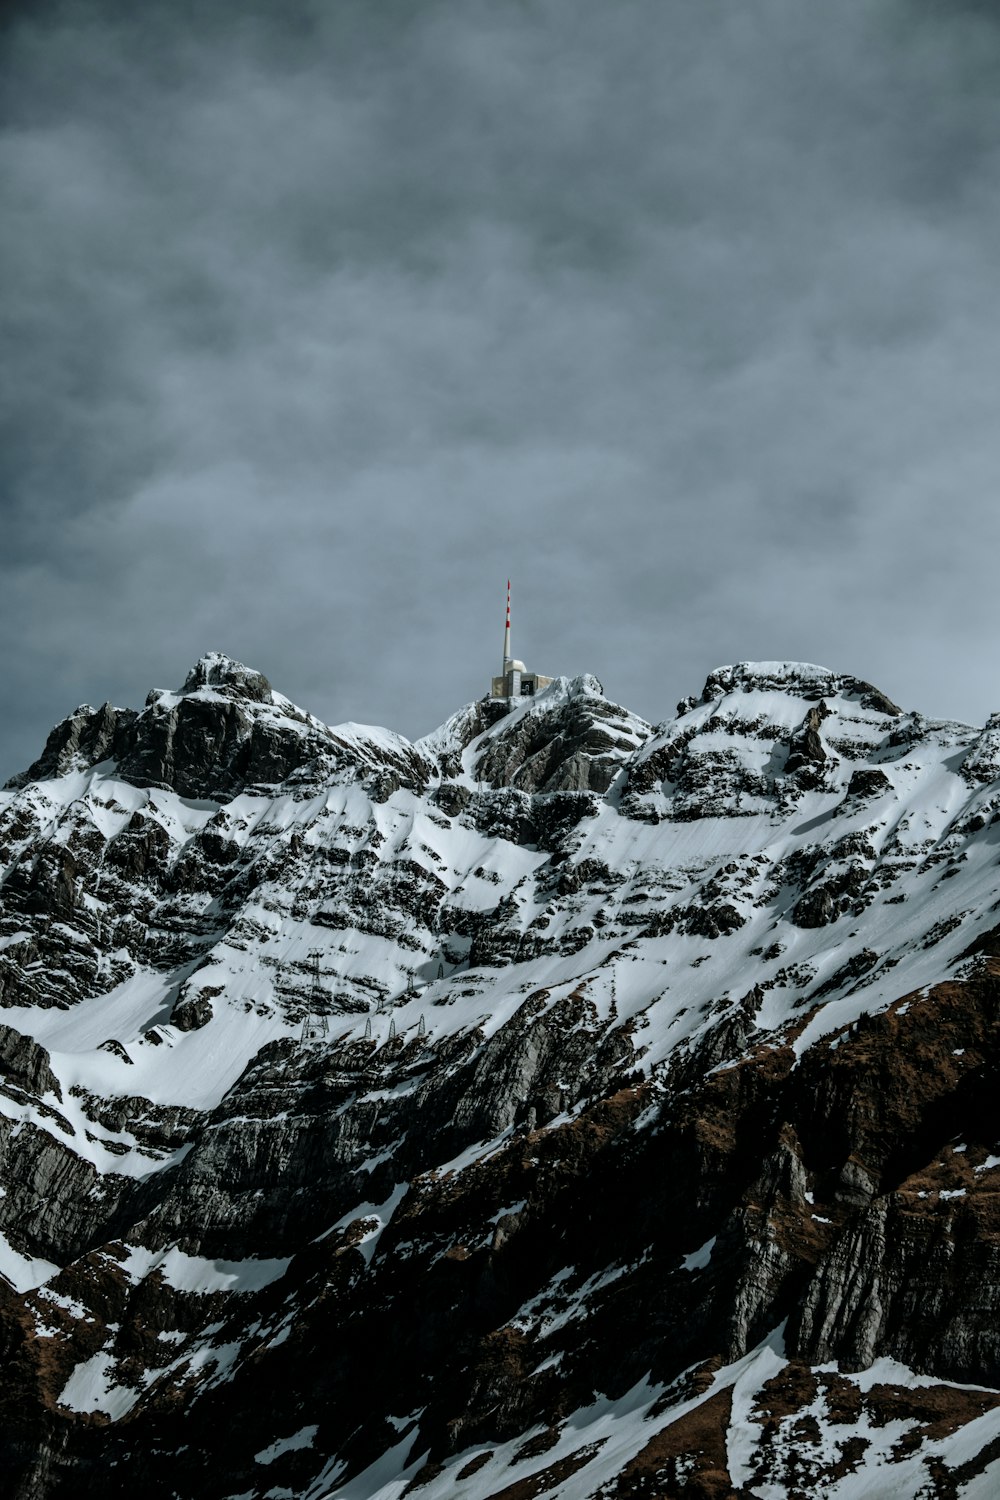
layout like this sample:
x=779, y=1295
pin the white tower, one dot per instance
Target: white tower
x=515, y=681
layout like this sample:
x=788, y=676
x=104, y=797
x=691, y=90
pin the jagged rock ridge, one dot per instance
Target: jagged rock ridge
x=647, y=1140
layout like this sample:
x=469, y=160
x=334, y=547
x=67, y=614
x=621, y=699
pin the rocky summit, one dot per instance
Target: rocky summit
x=557, y=1106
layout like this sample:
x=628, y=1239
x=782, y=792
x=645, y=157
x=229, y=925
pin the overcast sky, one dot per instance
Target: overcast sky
x=321, y=319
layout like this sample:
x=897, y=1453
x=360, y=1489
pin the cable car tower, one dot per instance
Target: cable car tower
x=315, y=1025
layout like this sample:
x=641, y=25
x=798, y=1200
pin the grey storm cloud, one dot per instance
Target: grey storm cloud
x=321, y=320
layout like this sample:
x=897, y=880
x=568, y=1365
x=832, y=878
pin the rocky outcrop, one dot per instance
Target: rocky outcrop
x=580, y=743
x=26, y=1064
x=87, y=737
x=231, y=679
x=807, y=755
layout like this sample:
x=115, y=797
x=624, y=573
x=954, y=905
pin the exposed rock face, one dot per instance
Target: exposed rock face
x=87, y=737
x=26, y=1064
x=561, y=1105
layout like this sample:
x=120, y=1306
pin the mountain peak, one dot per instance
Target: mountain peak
x=794, y=678
x=224, y=674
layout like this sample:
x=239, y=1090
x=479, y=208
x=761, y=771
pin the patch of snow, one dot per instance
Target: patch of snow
x=744, y=1434
x=194, y=1273
x=91, y=1388
x=23, y=1272
x=301, y=1439
x=699, y=1259
x=379, y=1213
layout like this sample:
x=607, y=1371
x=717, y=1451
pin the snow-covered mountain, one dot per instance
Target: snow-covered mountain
x=560, y=1105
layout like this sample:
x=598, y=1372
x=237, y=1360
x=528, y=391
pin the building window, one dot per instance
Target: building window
x=527, y=687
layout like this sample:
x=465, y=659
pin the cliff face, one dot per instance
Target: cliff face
x=646, y=1147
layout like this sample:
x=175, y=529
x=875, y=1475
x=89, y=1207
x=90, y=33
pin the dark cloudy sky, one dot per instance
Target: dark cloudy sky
x=321, y=318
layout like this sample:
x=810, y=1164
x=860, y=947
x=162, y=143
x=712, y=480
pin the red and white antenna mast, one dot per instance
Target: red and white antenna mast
x=506, y=636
